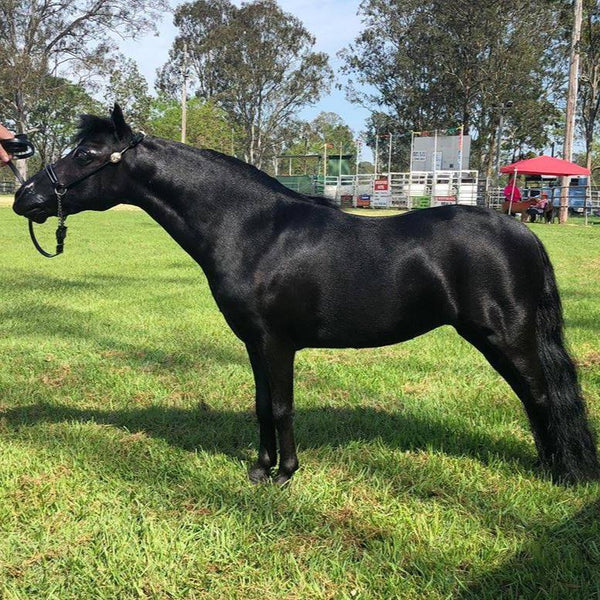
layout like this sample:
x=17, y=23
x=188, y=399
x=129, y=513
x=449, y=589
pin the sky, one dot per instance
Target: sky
x=334, y=23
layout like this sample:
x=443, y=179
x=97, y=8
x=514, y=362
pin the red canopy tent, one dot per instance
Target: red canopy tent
x=543, y=165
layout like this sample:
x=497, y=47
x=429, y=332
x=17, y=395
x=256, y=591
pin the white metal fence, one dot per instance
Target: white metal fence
x=401, y=190
x=7, y=188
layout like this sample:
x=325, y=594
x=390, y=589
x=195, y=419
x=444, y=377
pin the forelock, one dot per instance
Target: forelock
x=91, y=125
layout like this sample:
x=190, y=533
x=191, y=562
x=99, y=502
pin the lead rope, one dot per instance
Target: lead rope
x=61, y=232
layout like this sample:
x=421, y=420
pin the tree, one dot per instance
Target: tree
x=199, y=47
x=41, y=39
x=128, y=87
x=255, y=62
x=589, y=80
x=56, y=119
x=382, y=129
x=438, y=64
x=301, y=138
x=329, y=127
x=207, y=124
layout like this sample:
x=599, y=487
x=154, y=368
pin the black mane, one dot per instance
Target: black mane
x=266, y=179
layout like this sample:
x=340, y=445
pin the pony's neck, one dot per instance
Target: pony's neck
x=194, y=194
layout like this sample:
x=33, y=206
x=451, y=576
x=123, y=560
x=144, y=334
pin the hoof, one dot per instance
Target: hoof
x=259, y=474
x=282, y=478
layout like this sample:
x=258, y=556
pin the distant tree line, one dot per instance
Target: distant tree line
x=417, y=64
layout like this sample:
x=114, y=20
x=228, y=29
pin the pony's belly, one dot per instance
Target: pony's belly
x=369, y=333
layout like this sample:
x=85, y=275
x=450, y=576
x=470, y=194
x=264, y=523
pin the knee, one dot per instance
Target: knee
x=282, y=413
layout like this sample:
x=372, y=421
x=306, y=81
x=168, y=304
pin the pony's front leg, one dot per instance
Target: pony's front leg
x=267, y=452
x=279, y=360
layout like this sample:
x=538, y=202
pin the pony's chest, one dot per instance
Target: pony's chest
x=237, y=303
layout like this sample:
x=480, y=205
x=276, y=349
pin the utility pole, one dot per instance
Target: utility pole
x=434, y=167
x=355, y=187
x=571, y=107
x=184, y=94
x=461, y=131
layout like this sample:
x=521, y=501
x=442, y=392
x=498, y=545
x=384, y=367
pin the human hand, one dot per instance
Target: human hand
x=5, y=134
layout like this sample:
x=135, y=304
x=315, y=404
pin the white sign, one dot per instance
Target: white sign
x=438, y=160
x=419, y=156
x=382, y=197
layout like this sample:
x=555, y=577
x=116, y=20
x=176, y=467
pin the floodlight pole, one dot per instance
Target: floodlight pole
x=355, y=190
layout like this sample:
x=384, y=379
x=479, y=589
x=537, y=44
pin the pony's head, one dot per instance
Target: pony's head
x=92, y=176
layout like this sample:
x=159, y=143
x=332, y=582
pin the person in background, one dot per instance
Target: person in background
x=539, y=206
x=5, y=134
x=511, y=190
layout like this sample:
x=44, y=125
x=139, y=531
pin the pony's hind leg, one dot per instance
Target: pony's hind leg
x=556, y=411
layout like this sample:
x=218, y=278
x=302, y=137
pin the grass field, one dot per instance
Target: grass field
x=126, y=424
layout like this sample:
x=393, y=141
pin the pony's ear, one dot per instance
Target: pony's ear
x=122, y=129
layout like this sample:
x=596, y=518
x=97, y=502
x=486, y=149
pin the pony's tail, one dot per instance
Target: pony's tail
x=569, y=450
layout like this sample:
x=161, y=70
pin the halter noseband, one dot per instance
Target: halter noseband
x=60, y=189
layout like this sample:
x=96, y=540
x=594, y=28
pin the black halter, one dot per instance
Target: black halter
x=60, y=189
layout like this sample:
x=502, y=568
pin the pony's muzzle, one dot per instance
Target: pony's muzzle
x=30, y=204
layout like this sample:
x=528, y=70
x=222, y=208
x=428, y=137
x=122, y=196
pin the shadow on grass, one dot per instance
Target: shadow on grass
x=561, y=562
x=233, y=433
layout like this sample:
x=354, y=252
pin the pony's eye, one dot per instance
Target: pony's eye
x=83, y=157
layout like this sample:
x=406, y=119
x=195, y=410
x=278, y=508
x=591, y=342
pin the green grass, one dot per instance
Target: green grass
x=126, y=423
x=374, y=212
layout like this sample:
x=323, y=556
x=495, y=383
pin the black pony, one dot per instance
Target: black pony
x=290, y=271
